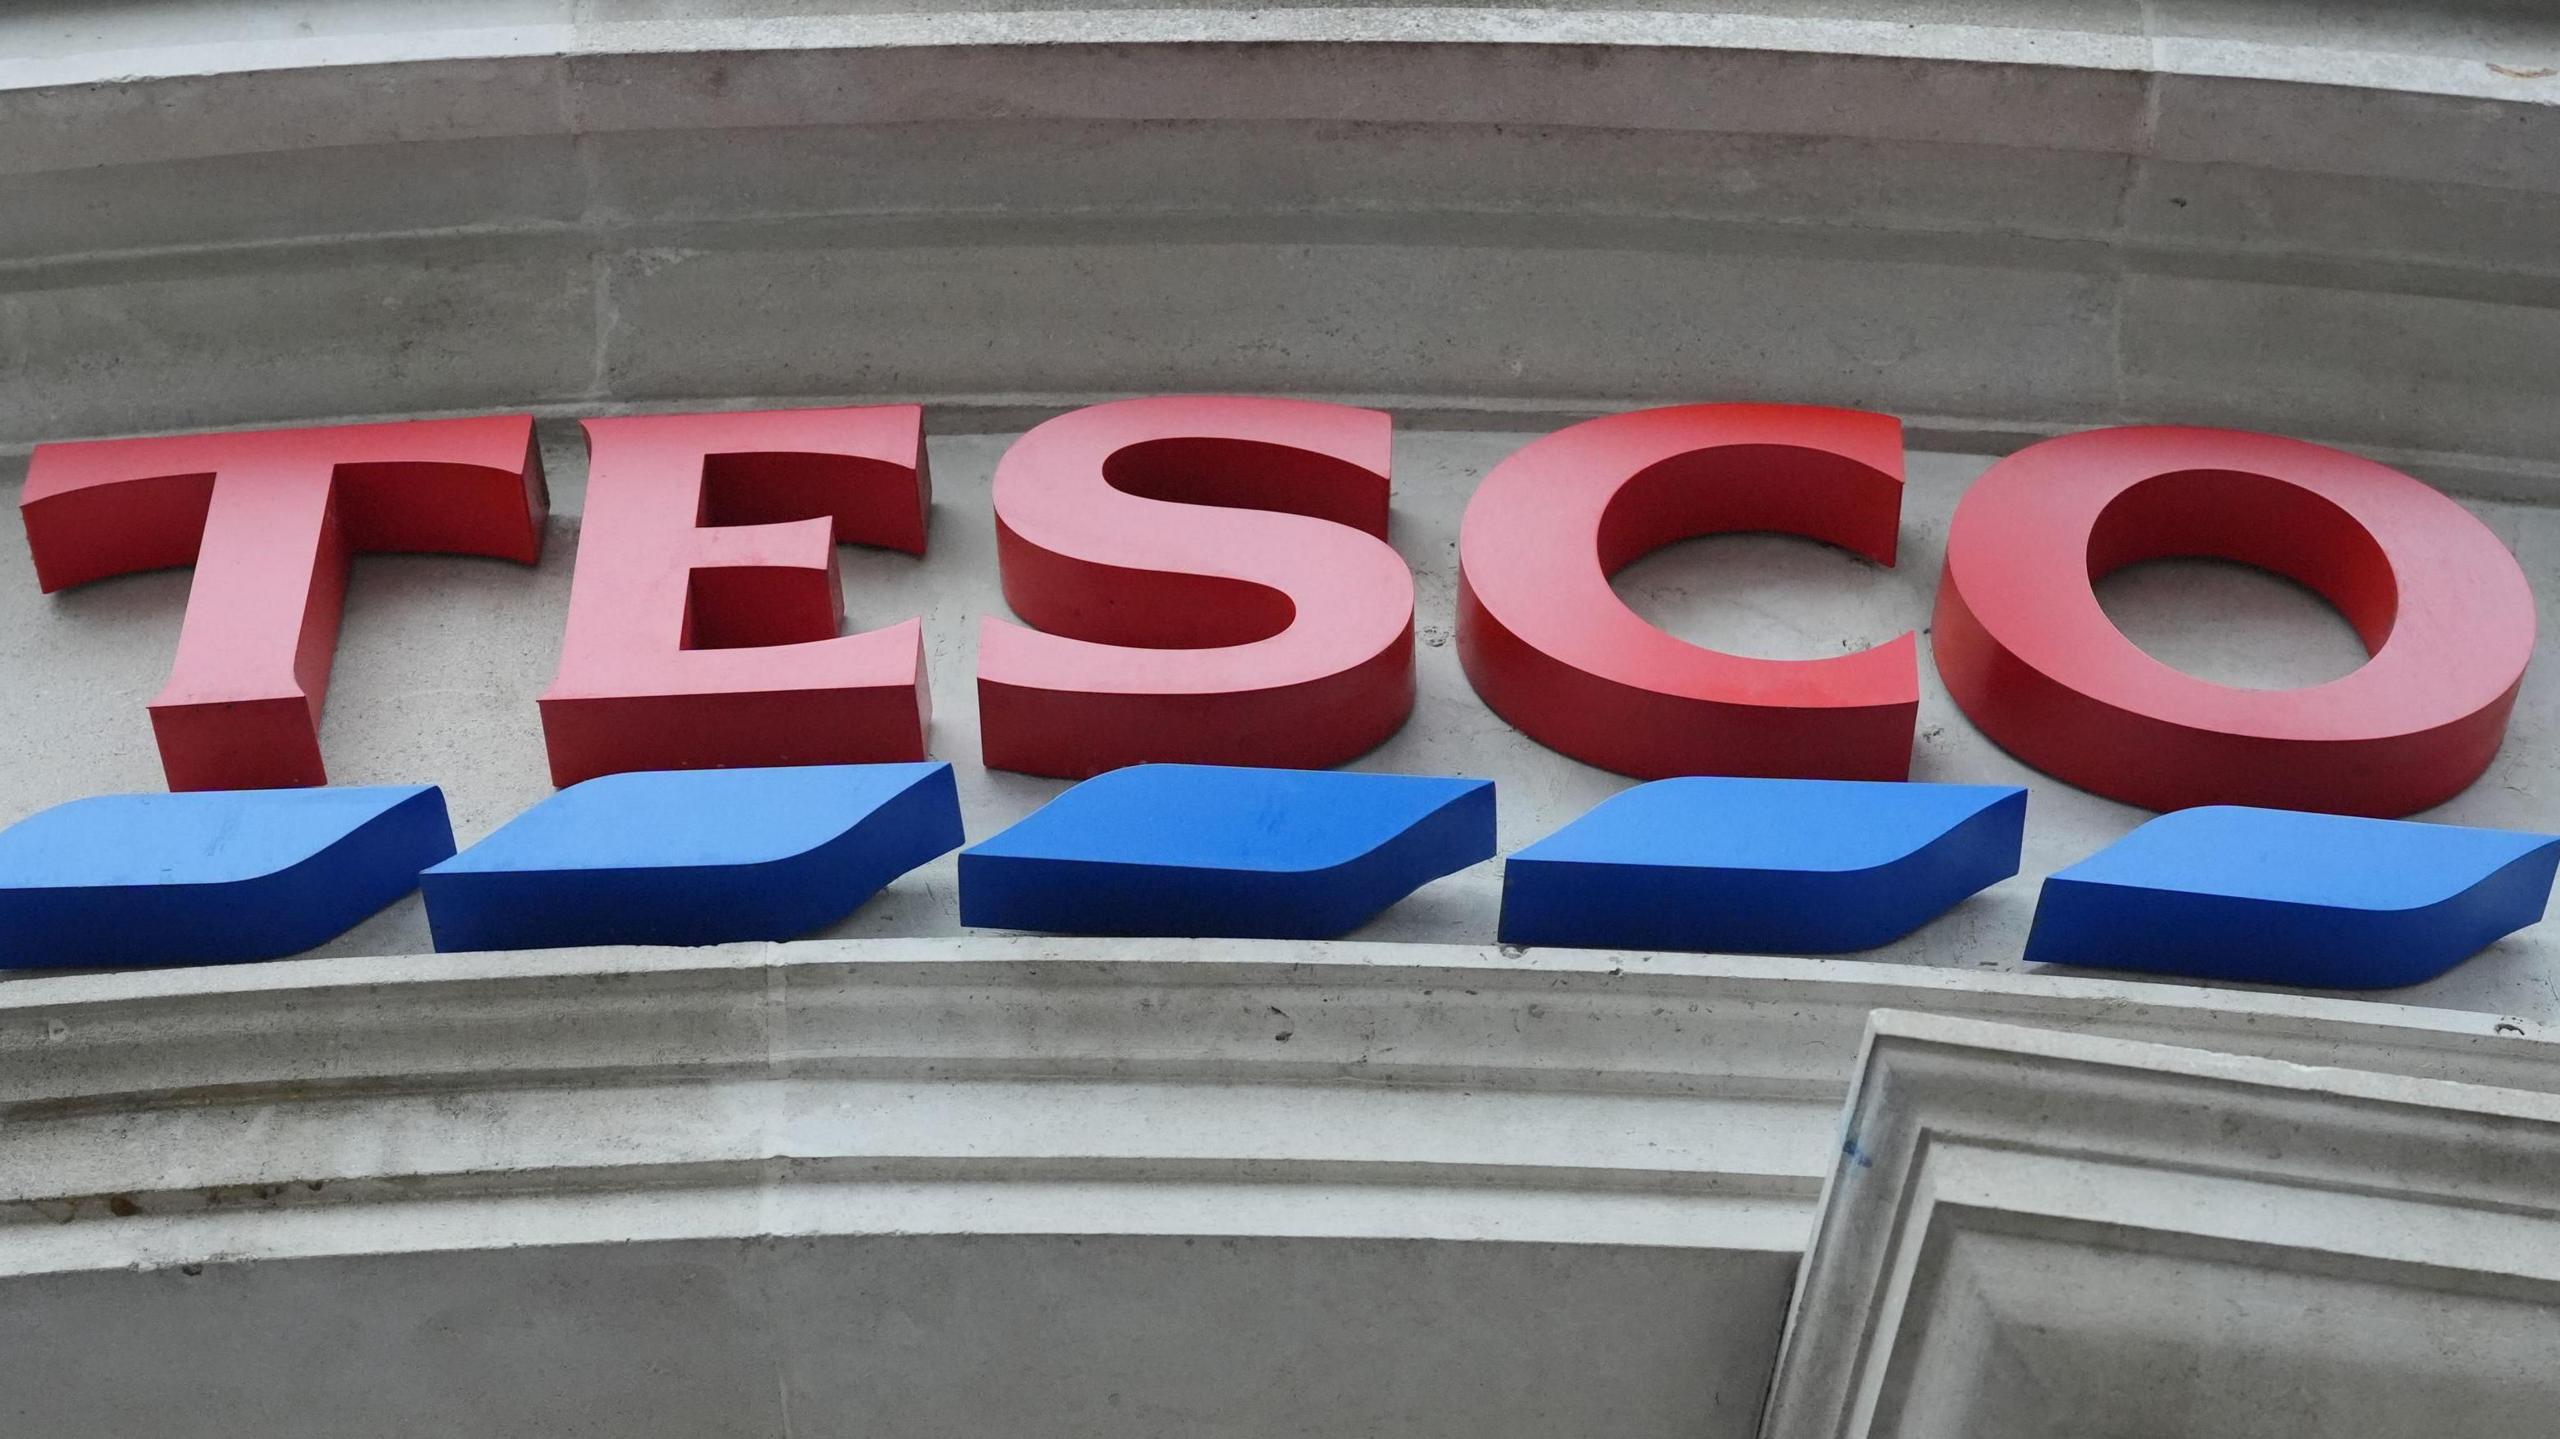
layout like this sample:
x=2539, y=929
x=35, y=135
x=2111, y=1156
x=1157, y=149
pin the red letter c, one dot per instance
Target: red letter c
x=1553, y=649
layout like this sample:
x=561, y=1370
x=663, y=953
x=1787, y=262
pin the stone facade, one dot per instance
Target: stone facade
x=907, y=1178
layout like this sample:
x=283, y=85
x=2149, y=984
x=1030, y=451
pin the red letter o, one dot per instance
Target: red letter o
x=2030, y=656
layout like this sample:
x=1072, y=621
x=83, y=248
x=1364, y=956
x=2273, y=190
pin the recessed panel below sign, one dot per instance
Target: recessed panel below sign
x=1209, y=850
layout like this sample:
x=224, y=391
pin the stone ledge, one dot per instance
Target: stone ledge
x=1357, y=1090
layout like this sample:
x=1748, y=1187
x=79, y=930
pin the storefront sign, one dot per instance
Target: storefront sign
x=1207, y=580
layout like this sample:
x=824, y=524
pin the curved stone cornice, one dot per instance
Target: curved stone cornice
x=1010, y=1086
x=1994, y=229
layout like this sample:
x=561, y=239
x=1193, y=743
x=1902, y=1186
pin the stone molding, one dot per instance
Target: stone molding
x=1010, y=1085
x=2031, y=1233
x=1997, y=230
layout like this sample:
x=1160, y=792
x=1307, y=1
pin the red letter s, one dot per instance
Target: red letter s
x=1209, y=580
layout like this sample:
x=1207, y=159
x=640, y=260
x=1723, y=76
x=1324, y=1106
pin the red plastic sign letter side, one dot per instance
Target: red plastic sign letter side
x=1550, y=646
x=269, y=519
x=2030, y=656
x=1209, y=580
x=704, y=615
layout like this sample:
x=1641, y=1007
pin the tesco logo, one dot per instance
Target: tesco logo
x=1211, y=618
x=1207, y=580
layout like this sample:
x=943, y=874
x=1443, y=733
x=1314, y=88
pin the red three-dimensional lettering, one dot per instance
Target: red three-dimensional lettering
x=2030, y=656
x=269, y=519
x=1210, y=581
x=705, y=613
x=1550, y=646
